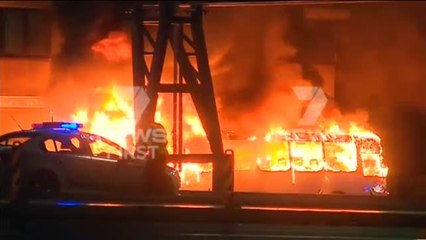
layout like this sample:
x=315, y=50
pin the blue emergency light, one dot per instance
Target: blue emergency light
x=58, y=125
x=69, y=203
x=72, y=126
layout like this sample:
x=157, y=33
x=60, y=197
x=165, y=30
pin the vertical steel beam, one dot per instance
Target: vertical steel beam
x=179, y=80
x=177, y=103
x=180, y=118
x=175, y=108
x=139, y=71
x=212, y=126
x=210, y=119
x=166, y=11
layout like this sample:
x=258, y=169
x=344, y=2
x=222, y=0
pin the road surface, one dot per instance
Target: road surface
x=47, y=219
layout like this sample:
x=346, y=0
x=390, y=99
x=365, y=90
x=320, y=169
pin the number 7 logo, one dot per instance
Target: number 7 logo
x=318, y=101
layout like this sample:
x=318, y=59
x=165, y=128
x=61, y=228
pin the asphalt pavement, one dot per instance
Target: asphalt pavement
x=119, y=229
x=66, y=219
x=204, y=215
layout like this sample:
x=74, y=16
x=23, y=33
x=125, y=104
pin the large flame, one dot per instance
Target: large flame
x=280, y=149
x=113, y=120
x=334, y=146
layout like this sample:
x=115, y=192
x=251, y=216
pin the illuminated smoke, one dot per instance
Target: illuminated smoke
x=240, y=50
x=381, y=62
x=81, y=24
x=267, y=57
x=257, y=55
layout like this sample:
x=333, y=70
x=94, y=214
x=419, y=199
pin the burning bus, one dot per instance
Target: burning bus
x=300, y=161
x=339, y=163
x=323, y=161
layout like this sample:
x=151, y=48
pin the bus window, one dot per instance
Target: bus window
x=275, y=157
x=340, y=156
x=307, y=156
x=372, y=165
x=371, y=156
x=369, y=146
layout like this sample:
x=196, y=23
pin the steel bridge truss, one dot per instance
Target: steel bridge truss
x=182, y=28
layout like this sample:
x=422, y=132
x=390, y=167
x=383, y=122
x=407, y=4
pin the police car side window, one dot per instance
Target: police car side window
x=63, y=144
x=15, y=141
x=104, y=149
x=49, y=145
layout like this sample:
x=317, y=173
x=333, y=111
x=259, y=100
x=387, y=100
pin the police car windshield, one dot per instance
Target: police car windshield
x=15, y=139
x=100, y=146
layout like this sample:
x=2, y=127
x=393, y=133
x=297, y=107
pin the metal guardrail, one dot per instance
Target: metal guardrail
x=193, y=158
x=222, y=4
x=154, y=212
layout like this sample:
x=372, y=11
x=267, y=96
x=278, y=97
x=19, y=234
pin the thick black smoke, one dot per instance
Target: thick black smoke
x=245, y=83
x=266, y=51
x=81, y=24
x=299, y=36
x=381, y=59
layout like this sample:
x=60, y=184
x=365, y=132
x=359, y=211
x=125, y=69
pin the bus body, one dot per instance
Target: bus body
x=328, y=163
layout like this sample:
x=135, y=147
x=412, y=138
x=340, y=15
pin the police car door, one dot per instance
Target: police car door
x=129, y=175
x=71, y=158
x=105, y=156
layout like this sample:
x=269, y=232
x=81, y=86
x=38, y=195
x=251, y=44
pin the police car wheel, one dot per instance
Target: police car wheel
x=44, y=184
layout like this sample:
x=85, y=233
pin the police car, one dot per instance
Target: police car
x=56, y=157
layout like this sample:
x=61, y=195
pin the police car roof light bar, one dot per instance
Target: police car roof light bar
x=72, y=126
x=60, y=125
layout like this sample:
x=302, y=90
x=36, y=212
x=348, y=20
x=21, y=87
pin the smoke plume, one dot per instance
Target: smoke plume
x=258, y=54
x=81, y=24
x=268, y=55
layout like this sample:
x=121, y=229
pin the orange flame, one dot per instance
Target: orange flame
x=331, y=147
x=196, y=128
x=115, y=48
x=280, y=149
x=113, y=120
